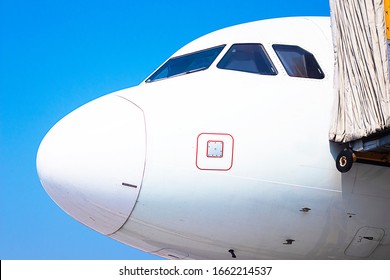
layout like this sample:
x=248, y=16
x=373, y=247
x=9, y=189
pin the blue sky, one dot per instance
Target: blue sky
x=56, y=55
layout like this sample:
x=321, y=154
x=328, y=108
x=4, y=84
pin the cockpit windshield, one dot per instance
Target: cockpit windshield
x=186, y=64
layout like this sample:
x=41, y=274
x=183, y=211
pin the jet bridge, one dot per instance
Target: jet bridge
x=374, y=149
x=361, y=111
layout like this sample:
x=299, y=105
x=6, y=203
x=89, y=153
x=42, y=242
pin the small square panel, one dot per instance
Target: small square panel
x=215, y=149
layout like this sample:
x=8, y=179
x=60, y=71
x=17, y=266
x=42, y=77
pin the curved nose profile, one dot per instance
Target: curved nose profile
x=92, y=162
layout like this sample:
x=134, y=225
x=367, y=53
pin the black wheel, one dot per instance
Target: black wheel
x=345, y=160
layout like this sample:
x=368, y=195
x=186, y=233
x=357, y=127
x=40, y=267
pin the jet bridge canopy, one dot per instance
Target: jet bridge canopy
x=361, y=81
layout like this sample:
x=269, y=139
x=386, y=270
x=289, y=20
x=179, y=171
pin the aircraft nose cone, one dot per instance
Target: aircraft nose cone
x=91, y=163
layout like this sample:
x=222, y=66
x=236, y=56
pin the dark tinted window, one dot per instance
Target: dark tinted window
x=250, y=58
x=298, y=62
x=186, y=64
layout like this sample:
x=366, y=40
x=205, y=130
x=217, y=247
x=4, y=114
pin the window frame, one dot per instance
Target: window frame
x=272, y=70
x=308, y=56
x=171, y=61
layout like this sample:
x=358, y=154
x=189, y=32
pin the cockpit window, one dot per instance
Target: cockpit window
x=298, y=62
x=186, y=64
x=250, y=58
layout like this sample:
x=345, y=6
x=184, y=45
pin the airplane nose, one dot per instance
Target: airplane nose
x=91, y=162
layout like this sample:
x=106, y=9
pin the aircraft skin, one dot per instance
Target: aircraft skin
x=138, y=166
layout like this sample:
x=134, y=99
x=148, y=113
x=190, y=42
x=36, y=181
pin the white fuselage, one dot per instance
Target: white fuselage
x=274, y=192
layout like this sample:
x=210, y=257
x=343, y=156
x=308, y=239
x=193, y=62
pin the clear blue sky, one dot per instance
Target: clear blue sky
x=56, y=55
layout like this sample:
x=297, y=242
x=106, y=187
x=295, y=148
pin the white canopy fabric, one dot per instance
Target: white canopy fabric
x=361, y=81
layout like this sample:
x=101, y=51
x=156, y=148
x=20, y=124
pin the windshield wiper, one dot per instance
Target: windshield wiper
x=195, y=70
x=180, y=74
